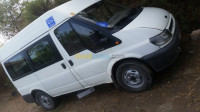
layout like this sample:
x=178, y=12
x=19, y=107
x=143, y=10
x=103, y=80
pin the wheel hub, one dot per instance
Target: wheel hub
x=133, y=78
x=45, y=101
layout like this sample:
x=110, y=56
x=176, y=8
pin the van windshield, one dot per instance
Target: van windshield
x=105, y=14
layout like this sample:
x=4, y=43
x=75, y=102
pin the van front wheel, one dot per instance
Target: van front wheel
x=134, y=76
x=44, y=100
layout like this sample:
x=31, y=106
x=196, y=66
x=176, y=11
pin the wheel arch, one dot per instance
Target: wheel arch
x=116, y=64
x=33, y=92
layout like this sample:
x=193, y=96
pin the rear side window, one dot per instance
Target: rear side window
x=17, y=66
x=69, y=39
x=43, y=53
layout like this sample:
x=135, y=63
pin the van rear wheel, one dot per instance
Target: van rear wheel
x=44, y=100
x=134, y=76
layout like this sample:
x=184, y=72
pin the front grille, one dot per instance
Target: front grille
x=171, y=25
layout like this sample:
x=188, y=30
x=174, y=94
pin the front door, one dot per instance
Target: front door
x=87, y=51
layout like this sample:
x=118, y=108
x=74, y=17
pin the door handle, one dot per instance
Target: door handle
x=71, y=63
x=63, y=65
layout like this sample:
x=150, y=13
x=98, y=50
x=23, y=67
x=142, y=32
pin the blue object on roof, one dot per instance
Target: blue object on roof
x=102, y=24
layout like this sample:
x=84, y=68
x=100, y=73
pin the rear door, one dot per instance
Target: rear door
x=50, y=67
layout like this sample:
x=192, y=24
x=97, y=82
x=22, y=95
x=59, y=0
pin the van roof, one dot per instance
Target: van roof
x=43, y=24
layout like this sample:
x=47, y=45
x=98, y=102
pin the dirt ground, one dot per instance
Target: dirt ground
x=174, y=90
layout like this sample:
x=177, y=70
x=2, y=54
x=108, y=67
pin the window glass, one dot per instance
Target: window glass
x=69, y=39
x=89, y=36
x=106, y=13
x=42, y=54
x=17, y=66
x=92, y=38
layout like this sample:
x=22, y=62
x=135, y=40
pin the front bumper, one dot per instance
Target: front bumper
x=166, y=56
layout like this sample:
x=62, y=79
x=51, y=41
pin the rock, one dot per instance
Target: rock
x=14, y=93
x=195, y=35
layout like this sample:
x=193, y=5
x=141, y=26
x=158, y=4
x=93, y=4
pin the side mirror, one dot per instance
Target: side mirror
x=103, y=40
x=100, y=32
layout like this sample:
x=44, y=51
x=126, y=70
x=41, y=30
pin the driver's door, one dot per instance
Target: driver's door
x=87, y=51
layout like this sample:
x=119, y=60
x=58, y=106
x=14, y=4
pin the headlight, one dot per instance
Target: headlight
x=162, y=38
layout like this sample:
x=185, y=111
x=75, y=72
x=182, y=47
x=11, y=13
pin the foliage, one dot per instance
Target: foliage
x=130, y=3
x=10, y=17
x=59, y=2
x=1, y=45
x=36, y=8
x=16, y=14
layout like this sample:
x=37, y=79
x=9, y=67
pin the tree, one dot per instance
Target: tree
x=10, y=17
x=36, y=8
x=16, y=14
x=59, y=2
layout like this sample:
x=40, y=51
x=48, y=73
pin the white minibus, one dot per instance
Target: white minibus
x=85, y=43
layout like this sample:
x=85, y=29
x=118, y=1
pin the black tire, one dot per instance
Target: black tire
x=45, y=101
x=134, y=76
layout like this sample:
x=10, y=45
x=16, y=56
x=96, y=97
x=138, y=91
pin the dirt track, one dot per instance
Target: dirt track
x=175, y=90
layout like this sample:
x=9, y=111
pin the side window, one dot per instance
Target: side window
x=95, y=41
x=17, y=66
x=69, y=39
x=43, y=53
x=90, y=37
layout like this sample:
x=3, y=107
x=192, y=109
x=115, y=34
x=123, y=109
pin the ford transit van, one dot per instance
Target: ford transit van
x=85, y=43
